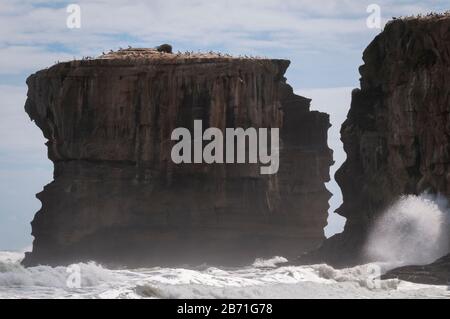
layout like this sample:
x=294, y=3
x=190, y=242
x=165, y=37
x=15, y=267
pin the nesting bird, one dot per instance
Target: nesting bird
x=164, y=48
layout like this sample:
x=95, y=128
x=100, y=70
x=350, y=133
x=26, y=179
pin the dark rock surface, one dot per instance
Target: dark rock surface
x=437, y=273
x=118, y=198
x=397, y=133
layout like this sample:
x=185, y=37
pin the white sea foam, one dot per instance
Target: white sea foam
x=261, y=280
x=270, y=263
x=15, y=276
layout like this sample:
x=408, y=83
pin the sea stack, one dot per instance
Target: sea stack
x=118, y=198
x=396, y=136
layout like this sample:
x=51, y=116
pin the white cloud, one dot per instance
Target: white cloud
x=238, y=26
x=25, y=58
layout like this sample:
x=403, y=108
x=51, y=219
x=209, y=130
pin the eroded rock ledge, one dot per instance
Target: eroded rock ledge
x=397, y=134
x=118, y=198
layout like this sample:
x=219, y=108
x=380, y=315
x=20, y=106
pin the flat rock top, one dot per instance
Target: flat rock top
x=428, y=16
x=136, y=57
x=152, y=54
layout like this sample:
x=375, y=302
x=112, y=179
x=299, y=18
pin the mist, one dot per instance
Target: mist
x=413, y=231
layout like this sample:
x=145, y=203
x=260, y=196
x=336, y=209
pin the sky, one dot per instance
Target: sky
x=323, y=39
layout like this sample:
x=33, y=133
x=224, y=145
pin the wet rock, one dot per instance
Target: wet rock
x=437, y=273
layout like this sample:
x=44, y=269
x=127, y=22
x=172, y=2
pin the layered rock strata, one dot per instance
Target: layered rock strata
x=397, y=133
x=117, y=196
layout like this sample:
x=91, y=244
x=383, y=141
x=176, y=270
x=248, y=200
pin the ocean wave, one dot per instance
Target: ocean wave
x=13, y=274
x=270, y=263
x=263, y=279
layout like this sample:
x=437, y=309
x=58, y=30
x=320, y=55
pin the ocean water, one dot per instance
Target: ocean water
x=414, y=230
x=263, y=279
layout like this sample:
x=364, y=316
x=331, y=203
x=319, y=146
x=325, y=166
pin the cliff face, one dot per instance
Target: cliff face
x=118, y=198
x=397, y=134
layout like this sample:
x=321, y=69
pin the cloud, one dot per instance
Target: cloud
x=25, y=58
x=249, y=26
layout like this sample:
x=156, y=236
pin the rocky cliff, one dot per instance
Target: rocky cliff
x=397, y=134
x=117, y=197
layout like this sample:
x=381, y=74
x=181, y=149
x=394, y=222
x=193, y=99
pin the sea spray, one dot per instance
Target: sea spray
x=414, y=230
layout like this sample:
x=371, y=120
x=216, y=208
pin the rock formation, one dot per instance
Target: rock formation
x=397, y=134
x=118, y=198
x=437, y=273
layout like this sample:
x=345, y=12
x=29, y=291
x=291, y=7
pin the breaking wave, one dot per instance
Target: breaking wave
x=14, y=275
x=263, y=279
x=413, y=231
